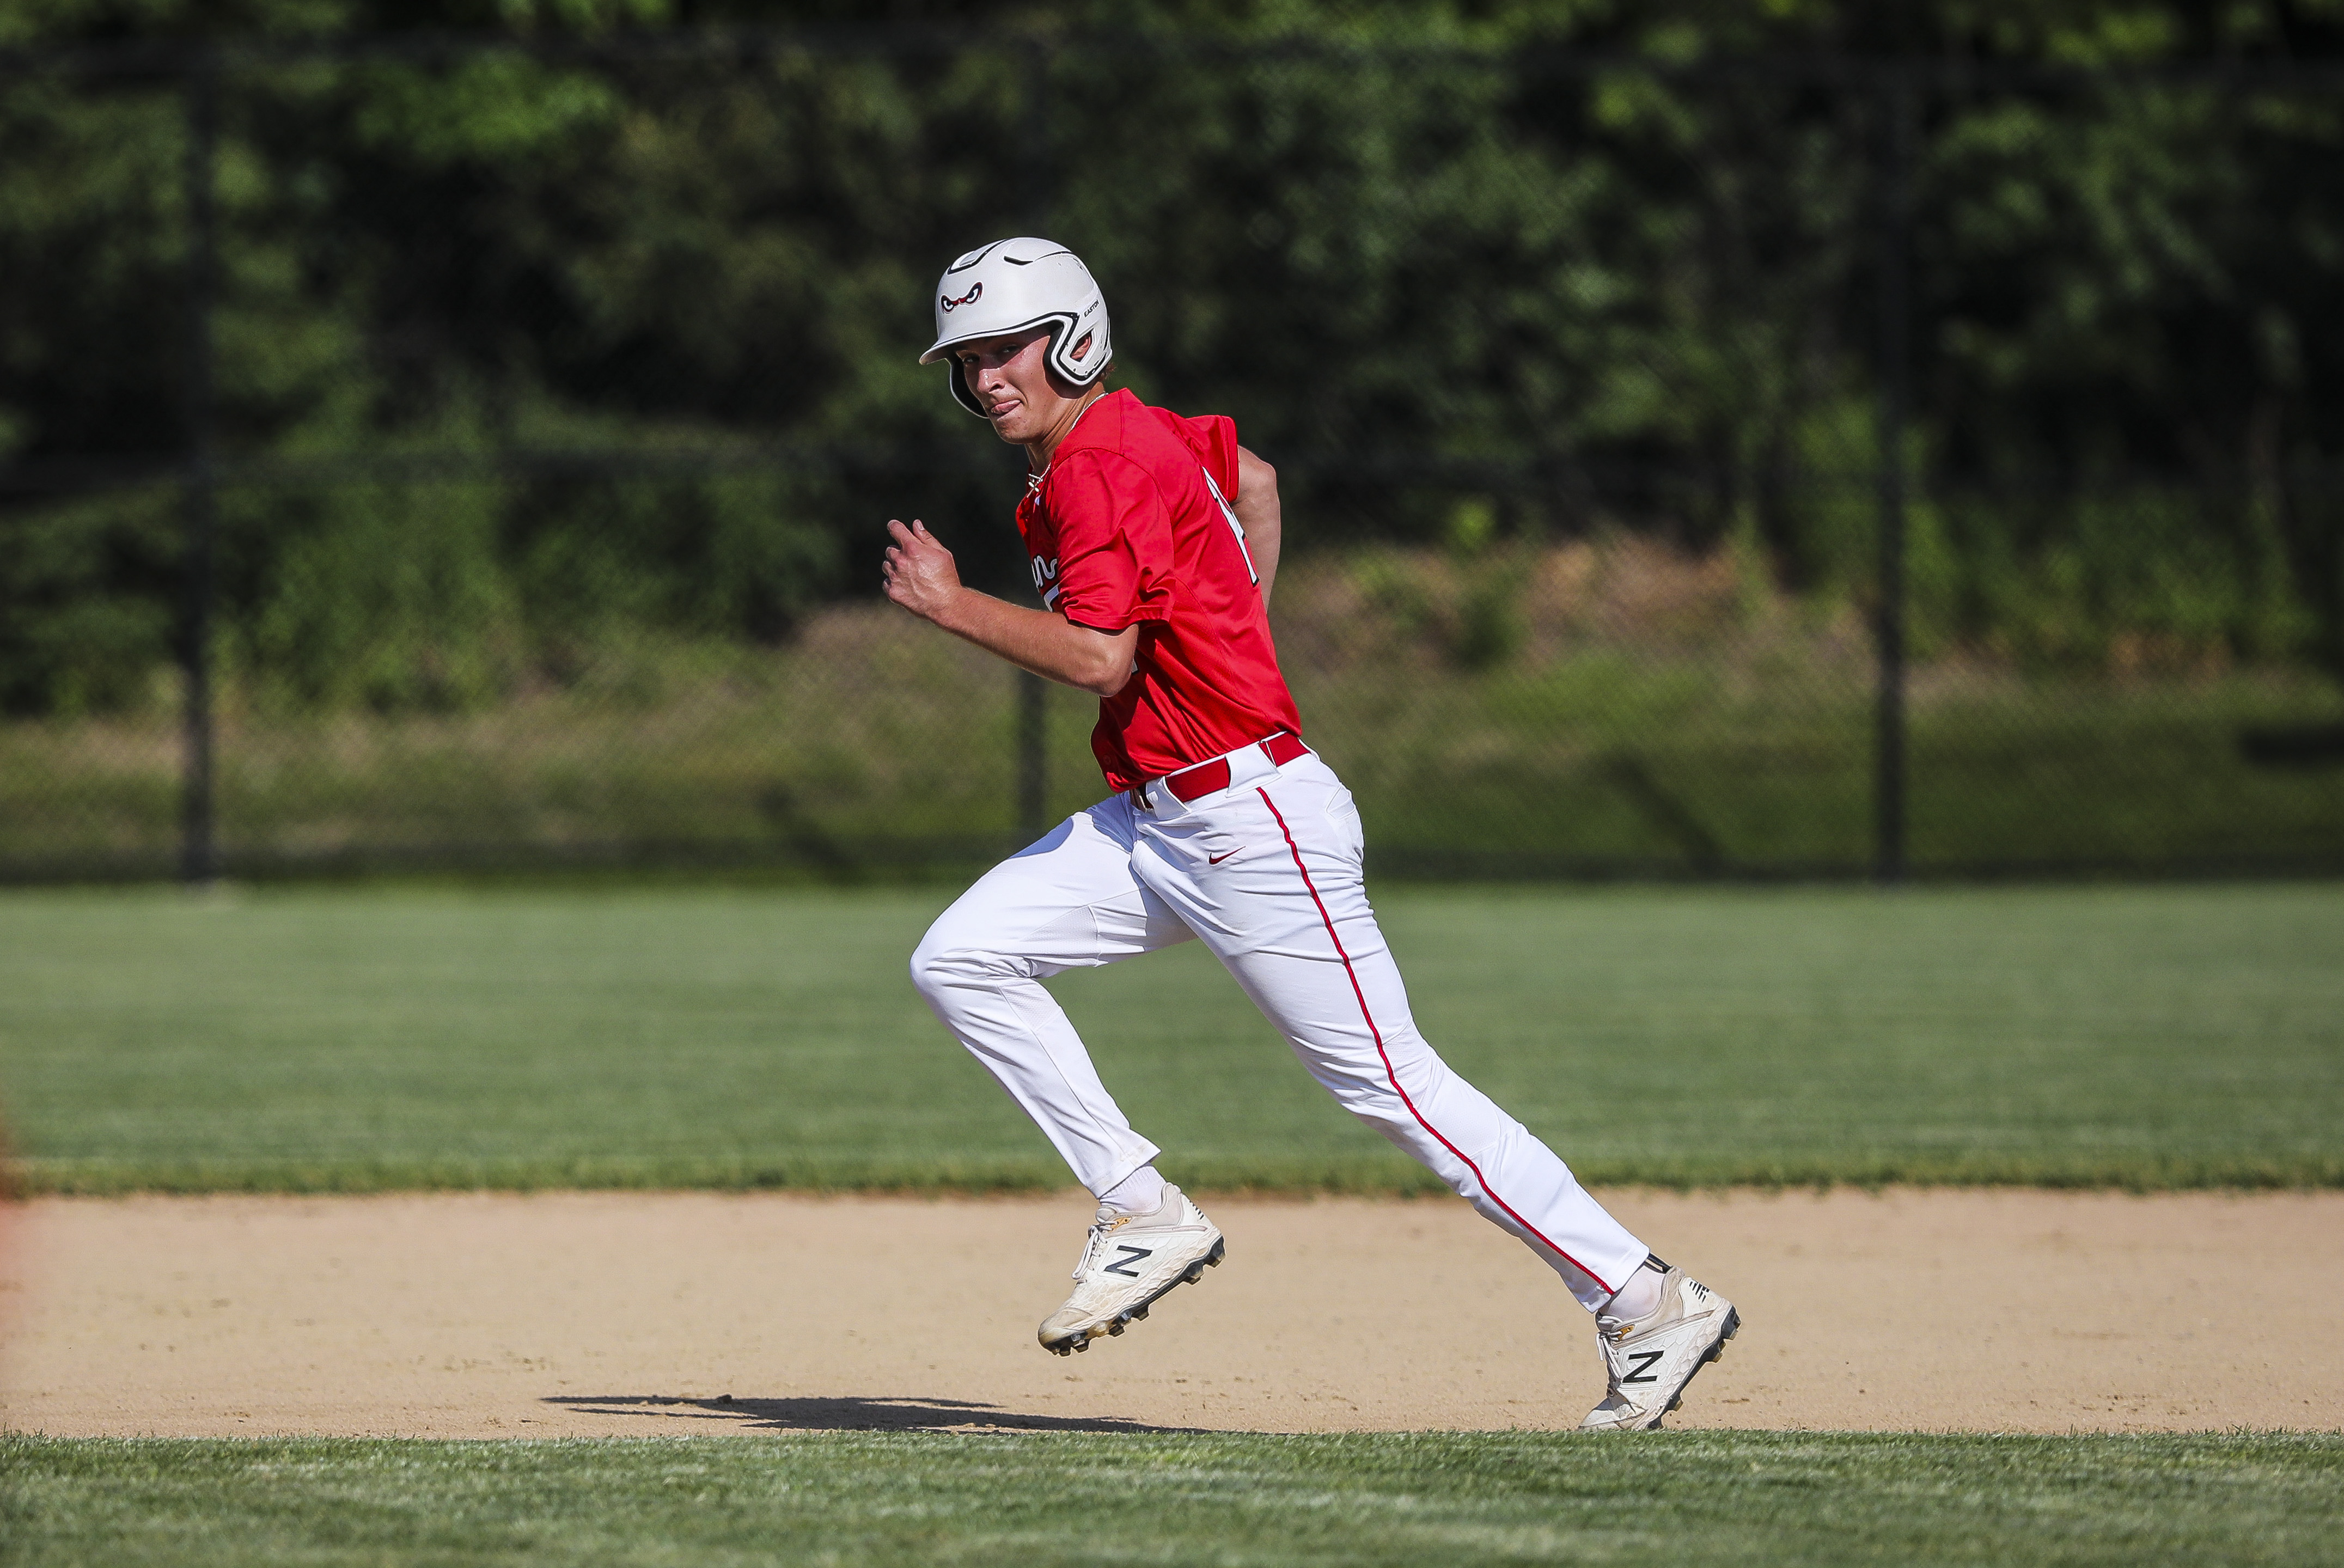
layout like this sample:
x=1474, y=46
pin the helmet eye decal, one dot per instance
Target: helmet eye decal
x=975, y=291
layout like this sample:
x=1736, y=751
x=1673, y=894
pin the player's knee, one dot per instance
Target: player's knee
x=1393, y=1122
x=1370, y=1098
x=941, y=961
x=931, y=967
x=1406, y=1111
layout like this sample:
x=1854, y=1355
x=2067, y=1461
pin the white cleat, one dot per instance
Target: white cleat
x=1652, y=1357
x=1128, y=1261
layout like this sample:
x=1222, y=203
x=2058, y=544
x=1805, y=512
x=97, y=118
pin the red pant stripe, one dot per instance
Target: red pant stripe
x=1390, y=1077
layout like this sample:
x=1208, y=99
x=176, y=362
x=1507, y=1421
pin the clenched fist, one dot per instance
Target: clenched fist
x=919, y=571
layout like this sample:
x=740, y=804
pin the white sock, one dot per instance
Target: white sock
x=1141, y=1192
x=1641, y=1296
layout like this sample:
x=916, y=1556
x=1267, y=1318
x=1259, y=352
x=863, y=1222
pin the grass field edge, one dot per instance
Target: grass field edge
x=34, y=1177
x=2199, y=1438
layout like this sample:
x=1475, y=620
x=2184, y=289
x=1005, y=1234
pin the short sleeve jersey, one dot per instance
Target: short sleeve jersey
x=1133, y=524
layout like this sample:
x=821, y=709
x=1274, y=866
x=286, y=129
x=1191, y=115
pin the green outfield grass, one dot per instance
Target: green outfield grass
x=1222, y=1500
x=413, y=1037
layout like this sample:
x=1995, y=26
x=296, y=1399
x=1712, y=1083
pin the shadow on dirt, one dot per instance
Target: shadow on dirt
x=847, y=1415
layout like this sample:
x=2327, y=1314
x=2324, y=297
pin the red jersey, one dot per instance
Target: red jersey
x=1132, y=524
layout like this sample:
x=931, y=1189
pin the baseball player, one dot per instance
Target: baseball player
x=1154, y=543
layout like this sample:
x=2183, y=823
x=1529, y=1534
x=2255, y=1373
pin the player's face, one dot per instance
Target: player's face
x=1010, y=378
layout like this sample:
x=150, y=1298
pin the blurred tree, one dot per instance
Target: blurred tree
x=1411, y=252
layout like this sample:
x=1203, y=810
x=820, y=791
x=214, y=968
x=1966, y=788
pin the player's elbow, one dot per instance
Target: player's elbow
x=1106, y=678
x=1103, y=661
x=1256, y=479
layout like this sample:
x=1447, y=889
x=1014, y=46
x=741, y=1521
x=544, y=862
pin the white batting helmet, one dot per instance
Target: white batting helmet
x=1014, y=286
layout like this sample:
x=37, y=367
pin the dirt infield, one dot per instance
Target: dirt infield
x=591, y=1314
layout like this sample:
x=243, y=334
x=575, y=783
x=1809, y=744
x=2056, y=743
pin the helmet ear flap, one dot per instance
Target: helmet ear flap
x=960, y=391
x=1066, y=337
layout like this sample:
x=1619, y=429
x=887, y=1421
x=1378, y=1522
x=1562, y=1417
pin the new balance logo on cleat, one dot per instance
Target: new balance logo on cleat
x=1117, y=1281
x=1651, y=1358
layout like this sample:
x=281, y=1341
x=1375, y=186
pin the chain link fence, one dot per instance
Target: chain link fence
x=473, y=451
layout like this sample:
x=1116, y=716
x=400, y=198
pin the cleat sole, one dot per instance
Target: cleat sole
x=1732, y=1327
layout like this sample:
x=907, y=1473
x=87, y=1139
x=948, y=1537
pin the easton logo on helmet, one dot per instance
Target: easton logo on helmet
x=949, y=303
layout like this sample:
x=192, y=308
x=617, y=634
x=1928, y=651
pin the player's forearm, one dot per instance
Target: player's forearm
x=1049, y=645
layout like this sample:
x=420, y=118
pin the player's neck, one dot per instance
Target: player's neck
x=1039, y=453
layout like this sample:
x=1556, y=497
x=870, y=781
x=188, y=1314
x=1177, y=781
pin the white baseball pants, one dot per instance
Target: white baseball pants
x=1267, y=872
